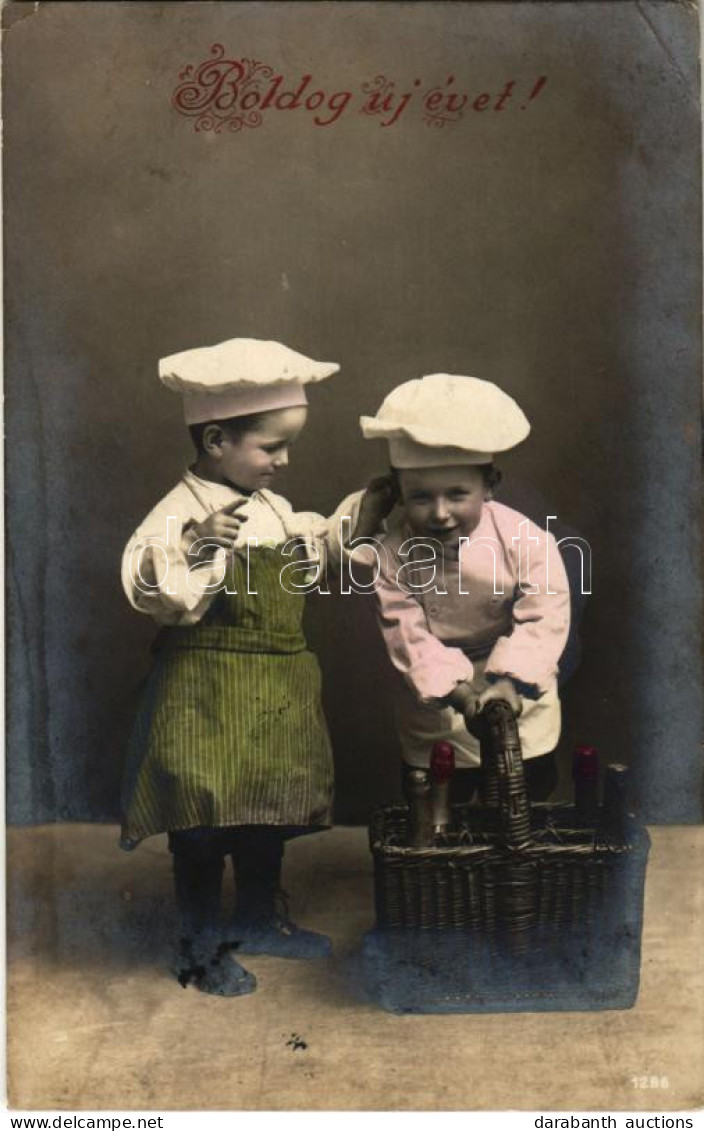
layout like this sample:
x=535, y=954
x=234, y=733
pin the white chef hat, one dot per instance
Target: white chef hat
x=444, y=419
x=240, y=377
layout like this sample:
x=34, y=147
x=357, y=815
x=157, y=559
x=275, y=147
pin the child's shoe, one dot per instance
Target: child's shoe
x=265, y=928
x=210, y=967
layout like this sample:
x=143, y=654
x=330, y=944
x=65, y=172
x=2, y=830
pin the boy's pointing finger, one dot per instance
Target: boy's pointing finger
x=232, y=507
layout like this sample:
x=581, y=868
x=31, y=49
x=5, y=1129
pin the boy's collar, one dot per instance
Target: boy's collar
x=225, y=489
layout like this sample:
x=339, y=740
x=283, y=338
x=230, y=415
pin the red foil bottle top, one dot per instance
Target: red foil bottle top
x=442, y=762
x=585, y=763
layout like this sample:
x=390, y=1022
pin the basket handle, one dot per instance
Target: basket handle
x=503, y=778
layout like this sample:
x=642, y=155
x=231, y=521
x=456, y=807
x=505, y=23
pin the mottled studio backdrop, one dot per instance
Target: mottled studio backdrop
x=551, y=245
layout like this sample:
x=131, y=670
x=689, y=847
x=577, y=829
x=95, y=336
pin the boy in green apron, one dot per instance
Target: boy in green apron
x=230, y=753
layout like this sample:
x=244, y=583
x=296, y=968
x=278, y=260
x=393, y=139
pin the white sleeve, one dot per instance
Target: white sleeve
x=326, y=540
x=161, y=580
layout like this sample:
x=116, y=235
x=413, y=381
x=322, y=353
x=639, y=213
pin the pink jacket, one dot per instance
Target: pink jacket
x=506, y=601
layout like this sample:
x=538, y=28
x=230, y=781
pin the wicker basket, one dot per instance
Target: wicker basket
x=567, y=877
x=515, y=909
x=506, y=872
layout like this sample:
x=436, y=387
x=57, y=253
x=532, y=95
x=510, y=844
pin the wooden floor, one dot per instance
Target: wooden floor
x=96, y=1021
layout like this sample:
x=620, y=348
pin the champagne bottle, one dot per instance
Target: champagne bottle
x=585, y=775
x=416, y=789
x=616, y=801
x=442, y=767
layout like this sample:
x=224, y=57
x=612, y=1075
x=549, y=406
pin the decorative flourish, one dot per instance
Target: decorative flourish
x=376, y=85
x=440, y=108
x=222, y=94
x=378, y=91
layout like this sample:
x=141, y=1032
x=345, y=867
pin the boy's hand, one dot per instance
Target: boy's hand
x=218, y=529
x=502, y=689
x=465, y=700
x=378, y=501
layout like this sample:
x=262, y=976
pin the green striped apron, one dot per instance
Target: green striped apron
x=230, y=729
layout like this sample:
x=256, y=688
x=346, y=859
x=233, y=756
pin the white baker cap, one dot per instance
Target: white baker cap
x=240, y=377
x=445, y=419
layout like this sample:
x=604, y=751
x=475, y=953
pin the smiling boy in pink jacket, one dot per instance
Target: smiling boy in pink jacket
x=473, y=599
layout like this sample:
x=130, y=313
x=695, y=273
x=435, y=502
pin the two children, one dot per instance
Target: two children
x=230, y=753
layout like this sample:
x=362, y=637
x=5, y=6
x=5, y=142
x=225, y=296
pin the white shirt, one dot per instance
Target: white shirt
x=160, y=578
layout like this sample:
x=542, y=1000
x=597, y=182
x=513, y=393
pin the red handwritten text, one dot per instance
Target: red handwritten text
x=228, y=94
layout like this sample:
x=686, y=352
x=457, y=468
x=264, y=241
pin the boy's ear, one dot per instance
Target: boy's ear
x=492, y=483
x=395, y=483
x=212, y=439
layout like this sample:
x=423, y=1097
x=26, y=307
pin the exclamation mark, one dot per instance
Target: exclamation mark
x=536, y=89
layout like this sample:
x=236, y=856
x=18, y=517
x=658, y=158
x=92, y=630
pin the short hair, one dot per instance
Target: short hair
x=490, y=474
x=235, y=426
